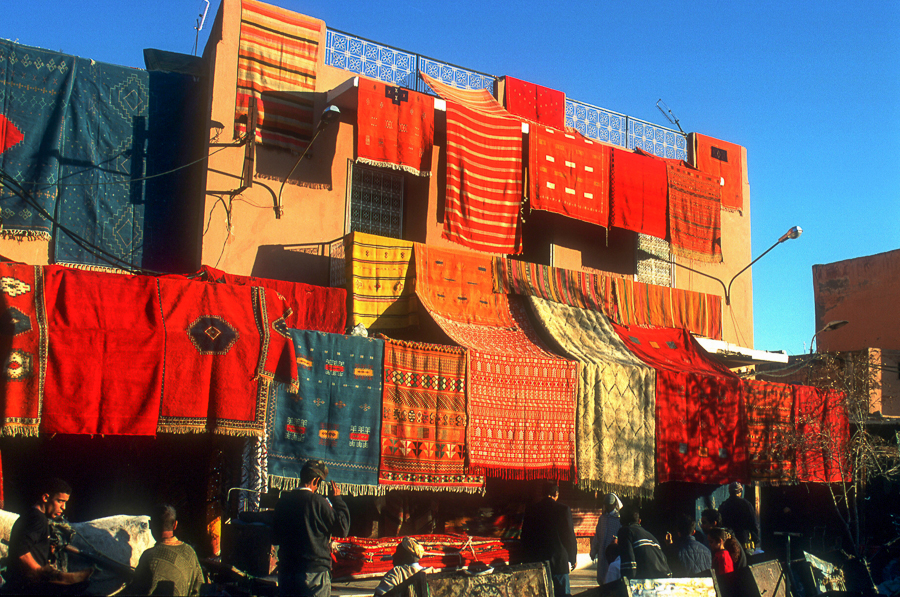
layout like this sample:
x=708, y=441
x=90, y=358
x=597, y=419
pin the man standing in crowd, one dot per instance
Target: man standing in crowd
x=739, y=515
x=29, y=570
x=304, y=524
x=607, y=527
x=642, y=557
x=170, y=567
x=548, y=535
x=690, y=556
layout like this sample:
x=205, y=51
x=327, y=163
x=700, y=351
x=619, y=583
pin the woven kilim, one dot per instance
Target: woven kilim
x=645, y=305
x=615, y=418
x=9, y=134
x=382, y=283
x=484, y=172
x=568, y=175
x=770, y=429
x=423, y=427
x=535, y=103
x=395, y=128
x=637, y=193
x=35, y=88
x=521, y=400
x=358, y=557
x=106, y=347
x=622, y=300
x=824, y=429
x=225, y=344
x=312, y=307
x=724, y=162
x=335, y=417
x=23, y=347
x=701, y=433
x=695, y=214
x=277, y=56
x=459, y=286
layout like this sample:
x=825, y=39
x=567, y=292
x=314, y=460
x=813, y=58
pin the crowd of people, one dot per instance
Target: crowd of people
x=305, y=522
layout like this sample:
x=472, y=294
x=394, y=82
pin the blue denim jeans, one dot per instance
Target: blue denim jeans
x=305, y=584
x=560, y=585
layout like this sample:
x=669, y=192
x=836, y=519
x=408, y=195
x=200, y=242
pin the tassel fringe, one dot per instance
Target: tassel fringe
x=377, y=164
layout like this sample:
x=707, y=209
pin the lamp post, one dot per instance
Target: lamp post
x=793, y=233
x=329, y=114
x=831, y=325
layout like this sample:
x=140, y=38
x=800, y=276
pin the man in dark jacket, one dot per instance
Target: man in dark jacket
x=691, y=556
x=642, y=557
x=739, y=515
x=548, y=535
x=304, y=524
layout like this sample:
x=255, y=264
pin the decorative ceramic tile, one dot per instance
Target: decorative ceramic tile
x=596, y=123
x=460, y=78
x=370, y=59
x=658, y=140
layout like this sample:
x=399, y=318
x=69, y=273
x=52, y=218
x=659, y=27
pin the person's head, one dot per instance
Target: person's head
x=736, y=489
x=631, y=515
x=611, y=502
x=551, y=490
x=612, y=552
x=734, y=548
x=163, y=521
x=710, y=518
x=313, y=473
x=53, y=496
x=409, y=551
x=684, y=525
x=716, y=538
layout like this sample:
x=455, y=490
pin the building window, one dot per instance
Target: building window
x=376, y=201
x=654, y=256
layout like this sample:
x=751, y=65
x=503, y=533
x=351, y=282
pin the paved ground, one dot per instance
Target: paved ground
x=583, y=578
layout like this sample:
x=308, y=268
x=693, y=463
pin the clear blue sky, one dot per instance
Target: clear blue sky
x=812, y=90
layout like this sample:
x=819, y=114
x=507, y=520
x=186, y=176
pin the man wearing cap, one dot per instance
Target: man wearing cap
x=305, y=521
x=739, y=515
x=406, y=563
x=607, y=527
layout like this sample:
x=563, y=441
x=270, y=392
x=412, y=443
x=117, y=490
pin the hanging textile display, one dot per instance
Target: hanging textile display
x=225, y=344
x=106, y=348
x=521, y=397
x=382, y=289
x=535, y=103
x=637, y=193
x=35, y=88
x=700, y=424
x=395, y=128
x=724, y=162
x=277, y=57
x=423, y=428
x=23, y=347
x=695, y=212
x=615, y=432
x=622, y=300
x=312, y=307
x=459, y=286
x=336, y=415
x=823, y=427
x=645, y=305
x=484, y=172
x=568, y=175
x=770, y=431
x=254, y=476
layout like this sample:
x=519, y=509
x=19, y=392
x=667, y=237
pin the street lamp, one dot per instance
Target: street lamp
x=793, y=233
x=831, y=325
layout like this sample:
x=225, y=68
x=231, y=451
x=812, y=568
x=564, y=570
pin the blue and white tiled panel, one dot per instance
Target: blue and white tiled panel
x=657, y=140
x=596, y=123
x=460, y=78
x=370, y=59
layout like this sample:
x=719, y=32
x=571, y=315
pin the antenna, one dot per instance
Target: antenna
x=201, y=19
x=670, y=116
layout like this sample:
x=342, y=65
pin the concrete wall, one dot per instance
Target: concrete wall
x=863, y=291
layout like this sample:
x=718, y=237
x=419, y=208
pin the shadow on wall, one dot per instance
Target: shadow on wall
x=306, y=263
